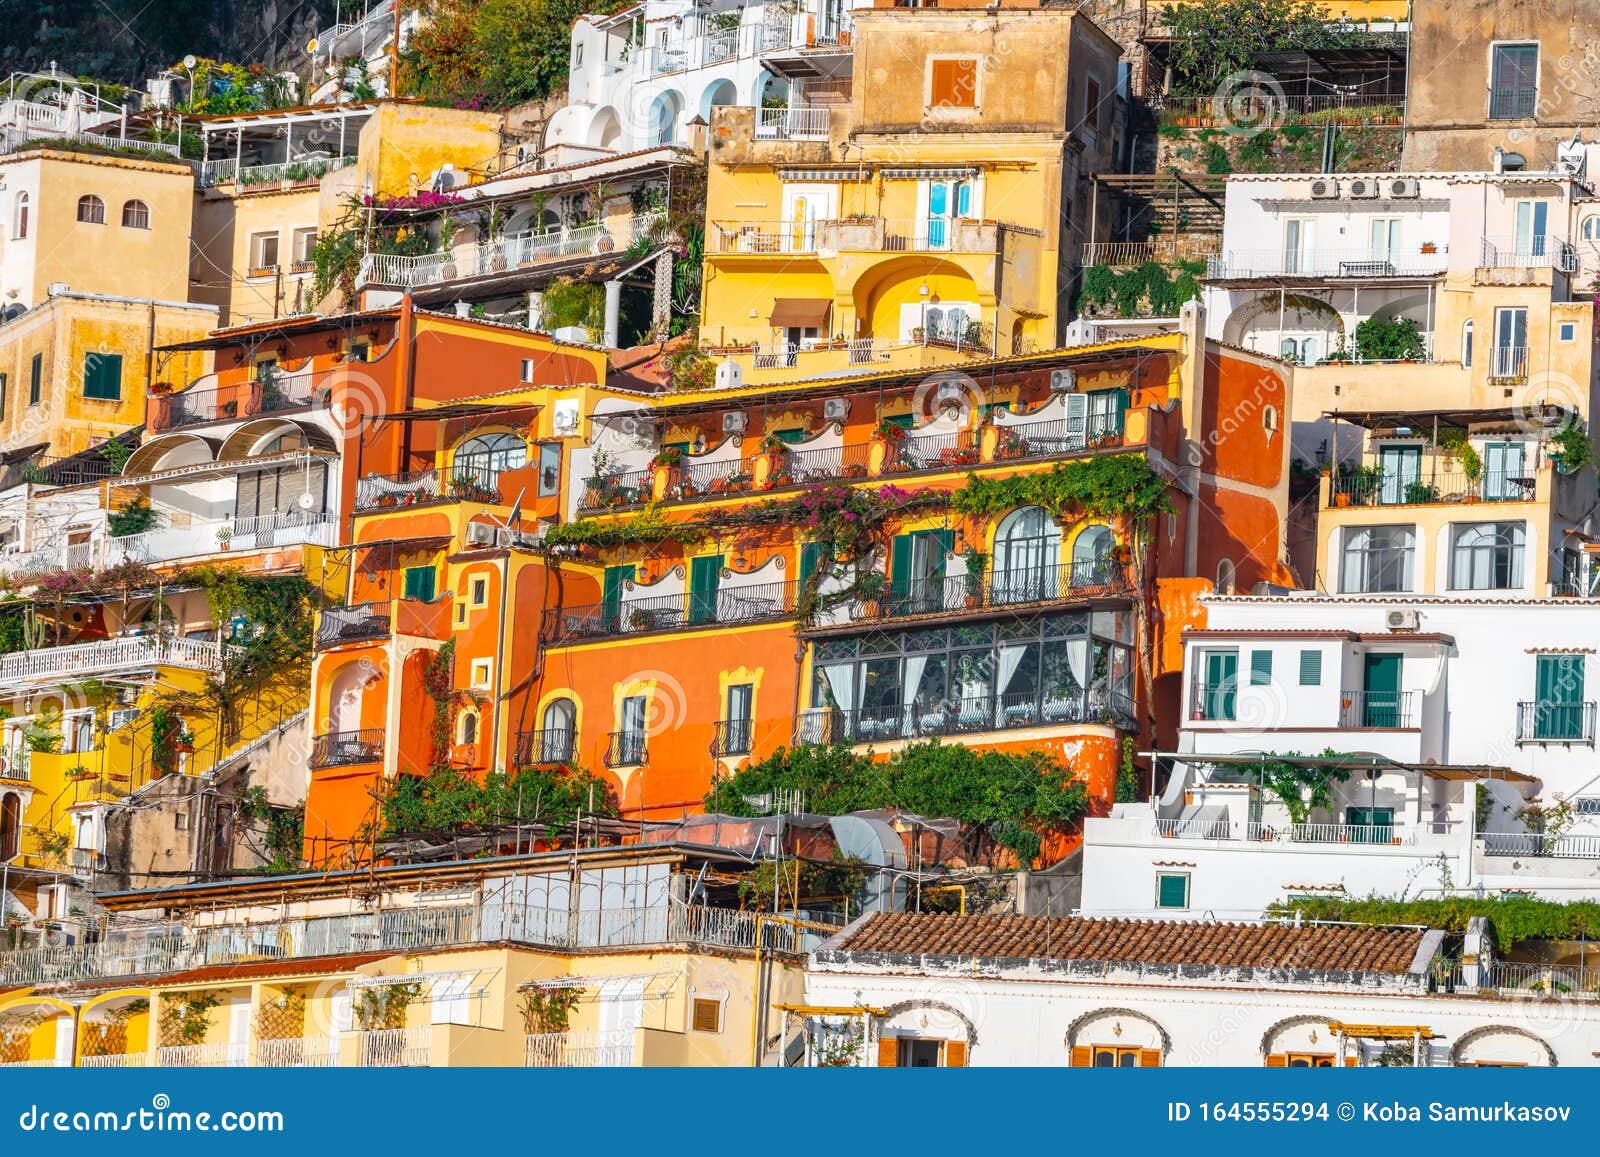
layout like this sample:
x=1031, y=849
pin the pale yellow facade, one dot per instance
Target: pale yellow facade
x=252, y=254
x=55, y=357
x=403, y=146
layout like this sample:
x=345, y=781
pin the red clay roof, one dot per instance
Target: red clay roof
x=1314, y=947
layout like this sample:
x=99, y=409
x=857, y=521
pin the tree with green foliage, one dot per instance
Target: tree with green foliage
x=447, y=801
x=1512, y=919
x=1214, y=39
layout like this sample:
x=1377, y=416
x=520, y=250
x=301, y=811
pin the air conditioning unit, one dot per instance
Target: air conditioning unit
x=522, y=154
x=836, y=409
x=1324, y=189
x=1402, y=620
x=1362, y=190
x=1063, y=381
x=481, y=534
x=950, y=391
x=1405, y=187
x=445, y=179
x=733, y=422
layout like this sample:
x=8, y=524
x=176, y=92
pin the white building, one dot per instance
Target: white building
x=919, y=990
x=638, y=77
x=1464, y=733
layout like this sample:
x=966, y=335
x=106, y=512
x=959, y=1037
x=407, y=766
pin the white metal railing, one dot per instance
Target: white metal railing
x=797, y=236
x=1201, y=828
x=1528, y=251
x=217, y=1055
x=612, y=1048
x=40, y=1063
x=1563, y=847
x=312, y=166
x=404, y=272
x=1508, y=361
x=107, y=655
x=534, y=246
x=797, y=123
x=115, y=1061
x=388, y=1048
x=1332, y=263
x=297, y=1053
x=261, y=532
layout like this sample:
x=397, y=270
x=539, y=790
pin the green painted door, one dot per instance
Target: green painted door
x=1381, y=683
x=1558, y=706
x=1221, y=678
x=916, y=570
x=611, y=593
x=705, y=573
x=1375, y=824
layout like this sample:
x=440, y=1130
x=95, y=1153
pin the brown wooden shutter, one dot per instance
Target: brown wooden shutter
x=955, y=1054
x=1277, y=1061
x=1352, y=1062
x=888, y=1052
x=1082, y=1057
x=706, y=1016
x=1149, y=1058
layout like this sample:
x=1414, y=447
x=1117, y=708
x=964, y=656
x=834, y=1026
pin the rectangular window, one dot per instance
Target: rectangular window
x=631, y=745
x=1213, y=696
x=549, y=469
x=1172, y=890
x=480, y=592
x=35, y=379
x=1513, y=81
x=263, y=252
x=102, y=377
x=1091, y=103
x=1299, y=245
x=707, y=1015
x=953, y=82
x=482, y=673
x=527, y=370
x=1568, y=331
x=736, y=737
x=1310, y=668
x=1377, y=559
x=1260, y=668
x=419, y=583
x=3, y=384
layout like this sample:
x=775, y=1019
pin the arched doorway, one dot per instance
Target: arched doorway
x=10, y=825
x=717, y=95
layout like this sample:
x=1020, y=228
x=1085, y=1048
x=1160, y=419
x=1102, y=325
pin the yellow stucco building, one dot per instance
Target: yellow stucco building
x=938, y=209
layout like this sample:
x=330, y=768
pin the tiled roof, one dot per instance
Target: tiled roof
x=1314, y=947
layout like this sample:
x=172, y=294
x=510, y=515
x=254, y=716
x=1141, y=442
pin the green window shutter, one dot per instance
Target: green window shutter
x=811, y=559
x=1172, y=890
x=1310, y=668
x=419, y=583
x=611, y=591
x=945, y=541
x=705, y=573
x=791, y=436
x=904, y=421
x=1558, y=712
x=35, y=379
x=900, y=566
x=1260, y=668
x=102, y=377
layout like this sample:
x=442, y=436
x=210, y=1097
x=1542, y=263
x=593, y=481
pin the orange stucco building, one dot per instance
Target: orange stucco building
x=662, y=587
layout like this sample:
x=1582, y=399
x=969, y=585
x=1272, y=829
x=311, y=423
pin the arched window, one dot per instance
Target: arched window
x=135, y=215
x=1225, y=577
x=1487, y=556
x=468, y=730
x=1091, y=556
x=10, y=826
x=479, y=461
x=1377, y=559
x=558, y=732
x=19, y=226
x=91, y=210
x=1591, y=228
x=1466, y=343
x=1027, y=555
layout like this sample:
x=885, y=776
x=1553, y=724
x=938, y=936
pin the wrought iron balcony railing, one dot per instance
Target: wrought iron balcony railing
x=546, y=746
x=626, y=749
x=347, y=748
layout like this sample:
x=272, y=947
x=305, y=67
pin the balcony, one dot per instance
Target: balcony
x=395, y=1048
x=797, y=123
x=488, y=257
x=626, y=749
x=1536, y=251
x=1373, y=486
x=297, y=1053
x=943, y=718
x=1372, y=835
x=1508, y=363
x=1007, y=589
x=462, y=483
x=107, y=657
x=731, y=737
x=728, y=605
x=360, y=623
x=1378, y=710
x=114, y=1061
x=856, y=234
x=205, y=538
x=1539, y=844
x=624, y=488
x=1555, y=724
x=611, y=1048
x=219, y=1055
x=199, y=404
x=1322, y=265
x=347, y=748
x=546, y=747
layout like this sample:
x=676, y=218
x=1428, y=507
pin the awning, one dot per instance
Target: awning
x=927, y=174
x=856, y=174
x=801, y=313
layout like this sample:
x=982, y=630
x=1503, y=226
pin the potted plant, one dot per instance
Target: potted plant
x=183, y=743
x=869, y=586
x=639, y=619
x=225, y=536
x=977, y=563
x=668, y=456
x=1570, y=450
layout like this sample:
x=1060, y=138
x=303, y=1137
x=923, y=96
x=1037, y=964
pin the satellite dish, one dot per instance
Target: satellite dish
x=189, y=61
x=311, y=49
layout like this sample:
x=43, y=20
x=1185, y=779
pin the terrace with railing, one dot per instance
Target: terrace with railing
x=1374, y=486
x=545, y=747
x=857, y=234
x=202, y=538
x=1008, y=588
x=347, y=748
x=1528, y=251
x=496, y=255
x=360, y=623
x=202, y=403
x=608, y=1048
x=1560, y=847
x=107, y=657
x=727, y=605
x=390, y=1048
x=945, y=717
x=455, y=483
x=1322, y=264
x=1370, y=835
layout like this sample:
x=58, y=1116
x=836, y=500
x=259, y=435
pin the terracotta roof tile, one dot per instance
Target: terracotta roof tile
x=1314, y=947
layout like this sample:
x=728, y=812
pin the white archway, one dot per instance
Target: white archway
x=665, y=112
x=605, y=131
x=717, y=94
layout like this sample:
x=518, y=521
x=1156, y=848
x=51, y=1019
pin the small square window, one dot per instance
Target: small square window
x=102, y=377
x=1172, y=890
x=180, y=820
x=1569, y=331
x=1310, y=668
x=707, y=1015
x=480, y=592
x=482, y=672
x=263, y=252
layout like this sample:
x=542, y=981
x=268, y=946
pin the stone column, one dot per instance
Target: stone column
x=613, y=312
